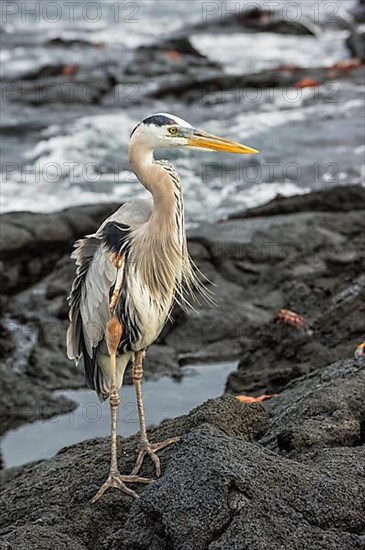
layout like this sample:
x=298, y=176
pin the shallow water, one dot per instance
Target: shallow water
x=164, y=398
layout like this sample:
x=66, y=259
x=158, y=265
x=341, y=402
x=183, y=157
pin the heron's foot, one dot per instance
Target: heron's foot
x=151, y=450
x=118, y=481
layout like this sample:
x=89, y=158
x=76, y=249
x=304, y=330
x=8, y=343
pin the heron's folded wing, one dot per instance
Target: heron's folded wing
x=89, y=300
x=98, y=275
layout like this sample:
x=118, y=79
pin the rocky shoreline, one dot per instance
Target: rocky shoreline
x=288, y=278
x=304, y=253
x=172, y=67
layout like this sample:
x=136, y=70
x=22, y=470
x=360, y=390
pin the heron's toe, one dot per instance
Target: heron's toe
x=151, y=449
x=117, y=481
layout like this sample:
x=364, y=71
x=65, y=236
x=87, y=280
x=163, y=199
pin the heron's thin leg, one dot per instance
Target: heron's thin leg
x=137, y=381
x=115, y=479
x=145, y=447
x=114, y=405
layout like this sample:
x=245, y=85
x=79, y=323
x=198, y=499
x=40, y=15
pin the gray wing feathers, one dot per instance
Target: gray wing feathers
x=85, y=250
x=89, y=298
x=90, y=294
x=89, y=307
x=133, y=213
x=94, y=303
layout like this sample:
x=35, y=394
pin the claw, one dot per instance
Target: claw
x=117, y=481
x=150, y=450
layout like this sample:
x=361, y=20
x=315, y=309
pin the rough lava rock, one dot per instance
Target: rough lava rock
x=324, y=409
x=65, y=484
x=203, y=87
x=338, y=199
x=224, y=485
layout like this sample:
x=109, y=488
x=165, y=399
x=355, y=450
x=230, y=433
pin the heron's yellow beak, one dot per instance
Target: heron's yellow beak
x=203, y=140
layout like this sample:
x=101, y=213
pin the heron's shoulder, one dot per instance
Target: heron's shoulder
x=131, y=214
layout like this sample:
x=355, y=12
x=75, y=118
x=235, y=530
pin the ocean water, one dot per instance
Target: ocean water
x=56, y=155
x=165, y=398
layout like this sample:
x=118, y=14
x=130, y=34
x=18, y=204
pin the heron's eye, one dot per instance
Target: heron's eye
x=172, y=130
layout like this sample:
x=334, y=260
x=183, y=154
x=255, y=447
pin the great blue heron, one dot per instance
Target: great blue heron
x=130, y=273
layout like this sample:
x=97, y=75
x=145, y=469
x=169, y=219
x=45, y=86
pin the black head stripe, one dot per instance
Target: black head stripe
x=156, y=120
x=138, y=125
x=159, y=120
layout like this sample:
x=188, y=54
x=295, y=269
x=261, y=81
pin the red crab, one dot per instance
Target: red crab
x=291, y=318
x=249, y=399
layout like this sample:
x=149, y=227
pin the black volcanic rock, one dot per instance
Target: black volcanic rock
x=356, y=44
x=202, y=86
x=221, y=486
x=358, y=11
x=339, y=199
x=324, y=409
x=171, y=58
x=251, y=19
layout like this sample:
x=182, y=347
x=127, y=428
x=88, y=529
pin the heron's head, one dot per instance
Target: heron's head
x=162, y=131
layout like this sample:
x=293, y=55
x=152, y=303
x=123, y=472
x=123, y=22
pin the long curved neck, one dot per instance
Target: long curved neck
x=160, y=244
x=156, y=180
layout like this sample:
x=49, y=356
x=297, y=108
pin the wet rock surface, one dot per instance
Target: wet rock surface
x=254, y=19
x=341, y=199
x=83, y=71
x=322, y=410
x=202, y=88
